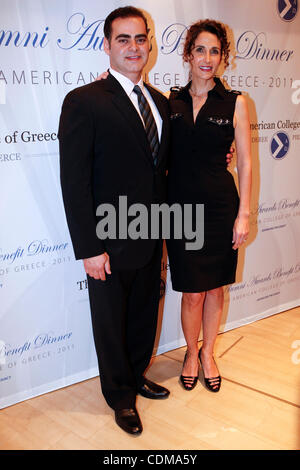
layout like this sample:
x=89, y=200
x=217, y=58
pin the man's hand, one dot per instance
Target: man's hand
x=229, y=156
x=97, y=266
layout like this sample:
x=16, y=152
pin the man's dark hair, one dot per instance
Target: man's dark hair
x=123, y=12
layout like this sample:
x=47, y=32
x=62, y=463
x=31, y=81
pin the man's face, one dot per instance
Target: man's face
x=128, y=48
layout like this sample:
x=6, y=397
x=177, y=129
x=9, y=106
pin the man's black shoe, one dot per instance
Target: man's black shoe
x=129, y=420
x=152, y=390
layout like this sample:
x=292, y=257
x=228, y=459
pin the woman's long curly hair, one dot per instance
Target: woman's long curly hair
x=210, y=26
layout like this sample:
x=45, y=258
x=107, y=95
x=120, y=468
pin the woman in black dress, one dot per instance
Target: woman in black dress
x=205, y=118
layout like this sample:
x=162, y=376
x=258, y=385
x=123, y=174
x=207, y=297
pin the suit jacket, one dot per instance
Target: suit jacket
x=104, y=154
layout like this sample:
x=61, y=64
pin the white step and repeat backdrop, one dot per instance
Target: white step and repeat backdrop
x=50, y=47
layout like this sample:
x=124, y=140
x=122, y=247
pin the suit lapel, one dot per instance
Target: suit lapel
x=131, y=118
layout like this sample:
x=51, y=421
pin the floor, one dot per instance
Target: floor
x=258, y=406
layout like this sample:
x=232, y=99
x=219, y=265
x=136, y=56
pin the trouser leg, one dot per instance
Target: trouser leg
x=124, y=312
x=108, y=301
x=143, y=305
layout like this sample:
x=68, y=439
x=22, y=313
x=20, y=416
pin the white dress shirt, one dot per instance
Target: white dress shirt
x=128, y=86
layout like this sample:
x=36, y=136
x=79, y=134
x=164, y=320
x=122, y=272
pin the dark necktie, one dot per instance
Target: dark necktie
x=150, y=125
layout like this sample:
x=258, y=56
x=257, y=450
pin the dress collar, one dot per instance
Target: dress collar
x=218, y=90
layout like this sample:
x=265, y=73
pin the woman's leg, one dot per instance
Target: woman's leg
x=191, y=317
x=211, y=317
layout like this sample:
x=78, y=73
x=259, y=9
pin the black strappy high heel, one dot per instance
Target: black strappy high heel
x=188, y=381
x=213, y=384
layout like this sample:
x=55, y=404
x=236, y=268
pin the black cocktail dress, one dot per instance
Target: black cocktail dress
x=198, y=175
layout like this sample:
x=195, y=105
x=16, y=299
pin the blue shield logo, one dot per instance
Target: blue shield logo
x=280, y=145
x=287, y=9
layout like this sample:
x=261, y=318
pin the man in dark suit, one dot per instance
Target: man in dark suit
x=107, y=150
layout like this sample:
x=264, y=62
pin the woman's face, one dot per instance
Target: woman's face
x=205, y=56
